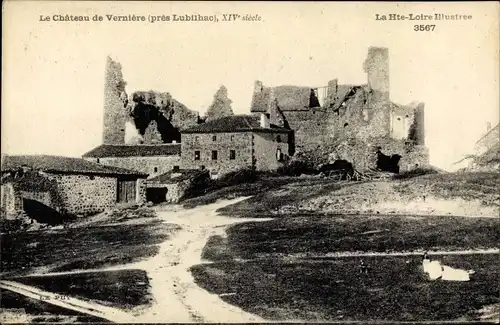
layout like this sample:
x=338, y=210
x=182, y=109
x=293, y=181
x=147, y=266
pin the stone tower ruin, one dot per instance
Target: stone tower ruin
x=376, y=66
x=115, y=101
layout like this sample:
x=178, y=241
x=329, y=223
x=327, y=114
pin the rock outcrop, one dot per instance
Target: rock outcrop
x=159, y=117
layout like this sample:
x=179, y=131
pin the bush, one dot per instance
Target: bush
x=297, y=168
x=20, y=223
x=237, y=177
x=203, y=184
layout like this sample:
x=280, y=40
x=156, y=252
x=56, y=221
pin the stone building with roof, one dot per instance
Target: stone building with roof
x=151, y=159
x=67, y=185
x=235, y=142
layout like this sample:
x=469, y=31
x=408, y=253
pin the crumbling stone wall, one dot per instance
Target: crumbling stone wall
x=221, y=105
x=417, y=129
x=270, y=152
x=376, y=66
x=10, y=201
x=489, y=141
x=241, y=142
x=362, y=154
x=84, y=194
x=356, y=118
x=151, y=165
x=361, y=116
x=159, y=117
x=156, y=115
x=115, y=100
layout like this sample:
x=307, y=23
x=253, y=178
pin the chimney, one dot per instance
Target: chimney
x=264, y=120
x=488, y=127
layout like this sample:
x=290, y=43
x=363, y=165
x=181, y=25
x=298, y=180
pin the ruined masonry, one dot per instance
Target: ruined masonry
x=357, y=123
x=350, y=122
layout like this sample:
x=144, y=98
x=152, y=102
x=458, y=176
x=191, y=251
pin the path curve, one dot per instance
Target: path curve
x=177, y=297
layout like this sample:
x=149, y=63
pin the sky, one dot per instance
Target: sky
x=53, y=72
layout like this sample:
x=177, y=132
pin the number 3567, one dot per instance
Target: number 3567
x=424, y=28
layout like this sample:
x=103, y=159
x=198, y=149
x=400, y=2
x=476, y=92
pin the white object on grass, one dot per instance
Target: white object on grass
x=436, y=270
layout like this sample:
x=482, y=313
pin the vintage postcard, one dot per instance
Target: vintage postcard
x=240, y=162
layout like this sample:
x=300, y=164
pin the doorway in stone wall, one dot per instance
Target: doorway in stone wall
x=156, y=194
x=125, y=193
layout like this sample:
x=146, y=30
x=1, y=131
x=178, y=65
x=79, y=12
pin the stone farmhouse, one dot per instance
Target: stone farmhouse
x=66, y=185
x=234, y=142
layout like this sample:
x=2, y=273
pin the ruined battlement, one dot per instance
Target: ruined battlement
x=147, y=117
x=323, y=119
x=376, y=67
x=326, y=116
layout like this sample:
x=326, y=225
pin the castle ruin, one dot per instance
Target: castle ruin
x=351, y=122
x=357, y=123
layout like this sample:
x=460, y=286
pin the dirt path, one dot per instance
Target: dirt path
x=177, y=297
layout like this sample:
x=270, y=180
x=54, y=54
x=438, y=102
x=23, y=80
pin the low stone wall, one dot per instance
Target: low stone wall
x=363, y=154
x=174, y=193
x=10, y=202
x=82, y=194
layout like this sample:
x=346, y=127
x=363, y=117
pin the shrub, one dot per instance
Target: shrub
x=237, y=177
x=203, y=184
x=20, y=223
x=297, y=168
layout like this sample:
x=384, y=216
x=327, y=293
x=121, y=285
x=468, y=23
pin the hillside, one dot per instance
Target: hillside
x=470, y=194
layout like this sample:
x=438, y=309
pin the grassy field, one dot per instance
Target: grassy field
x=482, y=186
x=287, y=268
x=80, y=248
x=41, y=312
x=334, y=290
x=261, y=186
x=324, y=195
x=123, y=289
x=313, y=235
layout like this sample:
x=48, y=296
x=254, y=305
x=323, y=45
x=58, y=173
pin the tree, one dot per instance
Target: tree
x=221, y=106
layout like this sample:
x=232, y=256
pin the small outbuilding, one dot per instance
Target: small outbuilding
x=67, y=185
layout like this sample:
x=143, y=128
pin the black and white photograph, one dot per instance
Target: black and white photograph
x=250, y=162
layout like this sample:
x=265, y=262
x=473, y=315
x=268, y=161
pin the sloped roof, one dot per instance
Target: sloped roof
x=140, y=150
x=293, y=98
x=234, y=123
x=290, y=98
x=58, y=164
x=171, y=177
